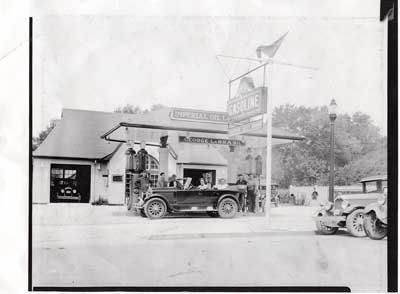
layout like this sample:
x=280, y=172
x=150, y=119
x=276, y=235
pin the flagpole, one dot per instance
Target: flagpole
x=268, y=175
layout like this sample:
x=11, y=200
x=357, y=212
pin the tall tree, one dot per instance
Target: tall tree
x=36, y=141
x=355, y=137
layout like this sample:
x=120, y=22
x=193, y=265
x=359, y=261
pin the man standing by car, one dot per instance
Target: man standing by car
x=251, y=193
x=242, y=186
x=143, y=183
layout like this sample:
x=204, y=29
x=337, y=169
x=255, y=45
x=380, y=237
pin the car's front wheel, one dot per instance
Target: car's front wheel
x=155, y=208
x=227, y=208
x=355, y=223
x=373, y=227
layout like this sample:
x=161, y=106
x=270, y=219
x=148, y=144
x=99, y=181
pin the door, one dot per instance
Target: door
x=187, y=199
x=70, y=183
x=210, y=198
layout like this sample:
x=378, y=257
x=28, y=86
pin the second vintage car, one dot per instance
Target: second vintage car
x=187, y=198
x=347, y=211
x=375, y=217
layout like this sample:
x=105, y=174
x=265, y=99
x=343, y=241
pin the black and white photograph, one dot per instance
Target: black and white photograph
x=220, y=144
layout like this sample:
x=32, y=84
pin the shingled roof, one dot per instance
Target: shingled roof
x=78, y=133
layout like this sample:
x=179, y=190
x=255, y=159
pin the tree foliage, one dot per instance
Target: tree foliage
x=131, y=109
x=358, y=146
x=36, y=141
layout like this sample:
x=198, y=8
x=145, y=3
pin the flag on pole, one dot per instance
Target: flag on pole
x=270, y=50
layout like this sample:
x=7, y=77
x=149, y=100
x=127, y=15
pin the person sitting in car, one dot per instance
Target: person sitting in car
x=173, y=182
x=221, y=184
x=203, y=184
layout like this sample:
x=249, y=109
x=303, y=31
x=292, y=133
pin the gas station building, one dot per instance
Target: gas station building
x=87, y=148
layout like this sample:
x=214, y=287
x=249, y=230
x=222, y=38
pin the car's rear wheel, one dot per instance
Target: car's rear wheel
x=323, y=229
x=227, y=208
x=155, y=208
x=373, y=227
x=355, y=223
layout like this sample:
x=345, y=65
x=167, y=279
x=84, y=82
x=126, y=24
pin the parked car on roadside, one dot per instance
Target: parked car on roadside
x=347, y=211
x=375, y=217
x=187, y=198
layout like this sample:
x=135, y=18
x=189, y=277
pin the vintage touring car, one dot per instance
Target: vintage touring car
x=187, y=198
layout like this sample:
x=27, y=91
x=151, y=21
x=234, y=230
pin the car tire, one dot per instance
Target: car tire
x=373, y=227
x=227, y=208
x=355, y=223
x=325, y=230
x=155, y=208
x=213, y=213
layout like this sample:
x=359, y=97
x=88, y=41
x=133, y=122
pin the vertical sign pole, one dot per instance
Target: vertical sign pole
x=268, y=175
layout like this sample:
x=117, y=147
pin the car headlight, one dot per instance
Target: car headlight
x=62, y=190
x=74, y=191
x=382, y=199
x=345, y=204
x=328, y=206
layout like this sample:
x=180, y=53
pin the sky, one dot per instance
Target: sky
x=99, y=62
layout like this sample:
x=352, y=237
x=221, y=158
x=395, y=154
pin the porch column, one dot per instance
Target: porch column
x=163, y=154
x=232, y=165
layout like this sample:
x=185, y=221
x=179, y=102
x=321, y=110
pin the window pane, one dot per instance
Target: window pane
x=371, y=187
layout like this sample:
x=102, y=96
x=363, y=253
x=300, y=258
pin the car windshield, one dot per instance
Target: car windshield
x=187, y=183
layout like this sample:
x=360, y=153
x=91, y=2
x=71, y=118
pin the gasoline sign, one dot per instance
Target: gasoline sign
x=247, y=105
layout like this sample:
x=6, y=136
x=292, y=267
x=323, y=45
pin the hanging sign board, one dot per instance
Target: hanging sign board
x=247, y=105
x=246, y=128
x=199, y=115
x=218, y=141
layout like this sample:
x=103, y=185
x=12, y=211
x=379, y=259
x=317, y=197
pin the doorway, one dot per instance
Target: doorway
x=70, y=183
x=197, y=174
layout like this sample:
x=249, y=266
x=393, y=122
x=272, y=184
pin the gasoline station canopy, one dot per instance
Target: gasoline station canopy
x=187, y=121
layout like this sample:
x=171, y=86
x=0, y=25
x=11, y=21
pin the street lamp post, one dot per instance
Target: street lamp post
x=332, y=116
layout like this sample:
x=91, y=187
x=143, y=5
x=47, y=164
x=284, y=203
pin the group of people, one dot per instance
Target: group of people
x=163, y=182
x=205, y=183
x=248, y=195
